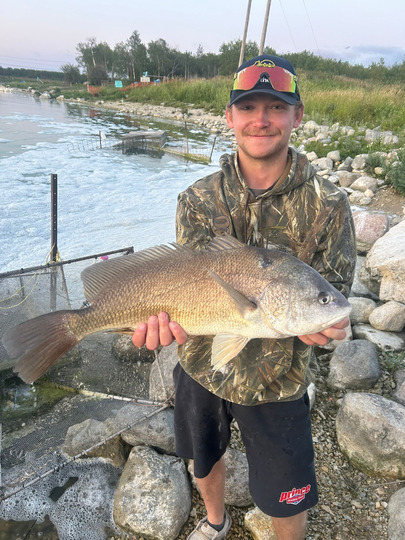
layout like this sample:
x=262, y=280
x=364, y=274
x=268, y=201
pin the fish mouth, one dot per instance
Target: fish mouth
x=335, y=320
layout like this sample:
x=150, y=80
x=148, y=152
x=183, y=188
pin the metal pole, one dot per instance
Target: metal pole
x=242, y=49
x=54, y=217
x=265, y=23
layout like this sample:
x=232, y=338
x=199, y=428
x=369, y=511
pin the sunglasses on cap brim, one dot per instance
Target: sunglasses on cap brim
x=281, y=79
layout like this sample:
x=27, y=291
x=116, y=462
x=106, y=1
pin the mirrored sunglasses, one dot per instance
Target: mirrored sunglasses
x=281, y=79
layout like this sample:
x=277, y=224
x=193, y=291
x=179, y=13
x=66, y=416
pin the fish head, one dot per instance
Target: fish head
x=297, y=300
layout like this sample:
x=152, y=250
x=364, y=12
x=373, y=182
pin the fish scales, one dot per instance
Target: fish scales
x=229, y=290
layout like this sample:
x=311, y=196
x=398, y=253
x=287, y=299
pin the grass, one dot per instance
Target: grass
x=328, y=99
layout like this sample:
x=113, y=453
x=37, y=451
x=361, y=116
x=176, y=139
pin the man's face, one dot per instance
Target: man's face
x=262, y=125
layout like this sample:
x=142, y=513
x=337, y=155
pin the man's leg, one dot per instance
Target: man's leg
x=212, y=489
x=291, y=528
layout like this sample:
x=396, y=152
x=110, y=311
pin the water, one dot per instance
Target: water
x=106, y=200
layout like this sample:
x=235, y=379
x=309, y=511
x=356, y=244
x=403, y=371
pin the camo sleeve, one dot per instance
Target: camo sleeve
x=335, y=258
x=192, y=224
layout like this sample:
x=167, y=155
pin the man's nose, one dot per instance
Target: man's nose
x=262, y=117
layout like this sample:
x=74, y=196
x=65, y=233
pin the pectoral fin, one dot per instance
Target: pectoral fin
x=243, y=304
x=225, y=347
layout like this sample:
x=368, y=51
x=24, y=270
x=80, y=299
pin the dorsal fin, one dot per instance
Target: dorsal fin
x=98, y=276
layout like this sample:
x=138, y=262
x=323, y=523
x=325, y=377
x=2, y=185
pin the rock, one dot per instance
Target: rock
x=78, y=498
x=237, y=478
x=260, y=525
x=364, y=183
x=371, y=433
x=346, y=165
x=358, y=287
x=396, y=512
x=80, y=437
x=153, y=498
x=311, y=156
x=369, y=227
x=359, y=162
x=399, y=394
x=372, y=135
x=382, y=340
x=384, y=269
x=361, y=309
x=354, y=365
x=161, y=385
x=157, y=431
x=334, y=155
x=346, y=178
x=389, y=317
x=310, y=127
x=323, y=163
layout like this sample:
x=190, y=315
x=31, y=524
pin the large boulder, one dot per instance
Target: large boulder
x=371, y=433
x=384, y=269
x=153, y=498
x=354, y=365
x=396, y=512
x=369, y=227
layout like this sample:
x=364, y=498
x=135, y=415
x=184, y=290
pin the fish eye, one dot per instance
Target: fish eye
x=324, y=298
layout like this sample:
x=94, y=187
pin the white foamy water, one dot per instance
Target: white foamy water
x=106, y=200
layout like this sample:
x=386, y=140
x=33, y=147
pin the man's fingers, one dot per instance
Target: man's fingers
x=139, y=336
x=165, y=334
x=152, y=335
x=179, y=334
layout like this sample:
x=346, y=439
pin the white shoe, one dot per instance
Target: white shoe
x=204, y=531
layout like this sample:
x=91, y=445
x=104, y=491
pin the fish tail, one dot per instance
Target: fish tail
x=39, y=342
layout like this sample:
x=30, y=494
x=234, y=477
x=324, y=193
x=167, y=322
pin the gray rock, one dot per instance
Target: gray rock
x=389, y=317
x=346, y=165
x=358, y=287
x=334, y=155
x=311, y=156
x=310, y=127
x=364, y=183
x=323, y=163
x=371, y=433
x=361, y=309
x=369, y=227
x=354, y=365
x=346, y=178
x=153, y=498
x=237, y=478
x=384, y=269
x=359, y=162
x=157, y=431
x=382, y=340
x=396, y=512
x=80, y=437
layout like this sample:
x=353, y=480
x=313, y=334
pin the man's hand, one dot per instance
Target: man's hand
x=157, y=331
x=322, y=338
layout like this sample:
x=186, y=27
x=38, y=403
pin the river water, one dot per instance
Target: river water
x=106, y=200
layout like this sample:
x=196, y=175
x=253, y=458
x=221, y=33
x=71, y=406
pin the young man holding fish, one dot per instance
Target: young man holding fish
x=267, y=194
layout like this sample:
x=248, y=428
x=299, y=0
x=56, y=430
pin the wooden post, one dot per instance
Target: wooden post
x=242, y=49
x=54, y=217
x=265, y=23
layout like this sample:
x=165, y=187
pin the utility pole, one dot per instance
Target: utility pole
x=265, y=23
x=242, y=49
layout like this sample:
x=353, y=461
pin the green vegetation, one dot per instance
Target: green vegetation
x=392, y=361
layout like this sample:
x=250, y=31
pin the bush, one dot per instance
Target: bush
x=396, y=173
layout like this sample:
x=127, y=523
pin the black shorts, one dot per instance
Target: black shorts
x=277, y=438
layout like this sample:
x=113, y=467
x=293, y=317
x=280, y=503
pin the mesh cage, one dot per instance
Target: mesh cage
x=93, y=381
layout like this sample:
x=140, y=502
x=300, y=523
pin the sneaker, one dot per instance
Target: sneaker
x=204, y=531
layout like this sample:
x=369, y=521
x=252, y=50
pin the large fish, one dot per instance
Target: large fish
x=230, y=290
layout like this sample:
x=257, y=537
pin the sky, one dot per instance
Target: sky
x=43, y=34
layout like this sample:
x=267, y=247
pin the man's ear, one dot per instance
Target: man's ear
x=229, y=119
x=299, y=113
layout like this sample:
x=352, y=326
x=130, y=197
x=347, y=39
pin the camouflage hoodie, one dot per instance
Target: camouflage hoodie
x=302, y=212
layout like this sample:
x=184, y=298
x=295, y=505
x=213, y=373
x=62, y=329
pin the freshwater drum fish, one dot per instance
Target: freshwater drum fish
x=229, y=290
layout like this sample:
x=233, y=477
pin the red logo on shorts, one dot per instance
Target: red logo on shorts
x=295, y=496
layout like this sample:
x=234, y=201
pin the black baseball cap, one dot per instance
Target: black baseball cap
x=266, y=74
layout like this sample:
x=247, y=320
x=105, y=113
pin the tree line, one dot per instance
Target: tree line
x=128, y=60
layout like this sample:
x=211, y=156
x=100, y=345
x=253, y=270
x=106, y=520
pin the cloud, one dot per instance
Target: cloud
x=367, y=54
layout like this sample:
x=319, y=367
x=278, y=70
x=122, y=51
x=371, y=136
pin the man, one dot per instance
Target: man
x=266, y=193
